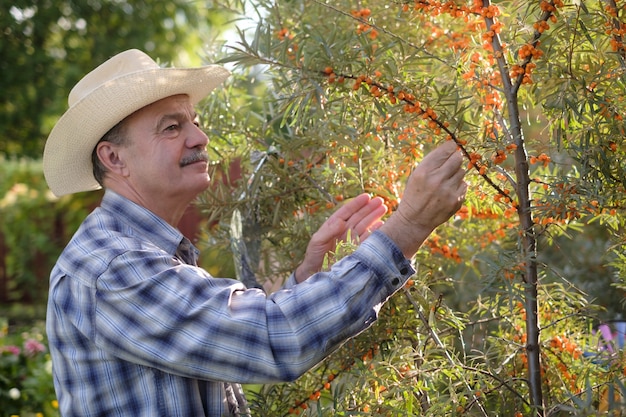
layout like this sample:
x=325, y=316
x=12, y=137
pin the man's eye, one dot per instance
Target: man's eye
x=171, y=127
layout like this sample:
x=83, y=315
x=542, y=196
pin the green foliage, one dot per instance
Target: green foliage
x=353, y=97
x=329, y=100
x=48, y=46
x=26, y=387
x=35, y=227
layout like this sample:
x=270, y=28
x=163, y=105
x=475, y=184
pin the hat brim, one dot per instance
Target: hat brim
x=67, y=154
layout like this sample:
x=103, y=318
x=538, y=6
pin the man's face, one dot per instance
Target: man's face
x=166, y=155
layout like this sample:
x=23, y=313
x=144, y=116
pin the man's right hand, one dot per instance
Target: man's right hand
x=434, y=191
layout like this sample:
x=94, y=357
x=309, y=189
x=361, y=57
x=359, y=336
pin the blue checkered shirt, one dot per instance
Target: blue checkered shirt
x=135, y=330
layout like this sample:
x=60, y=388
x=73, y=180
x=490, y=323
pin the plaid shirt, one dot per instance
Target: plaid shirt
x=136, y=331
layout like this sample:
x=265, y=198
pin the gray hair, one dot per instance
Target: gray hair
x=117, y=136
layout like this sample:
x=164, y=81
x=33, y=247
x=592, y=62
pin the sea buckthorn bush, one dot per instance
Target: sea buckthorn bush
x=335, y=98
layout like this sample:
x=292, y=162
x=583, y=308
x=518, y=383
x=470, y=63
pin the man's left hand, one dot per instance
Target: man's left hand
x=360, y=215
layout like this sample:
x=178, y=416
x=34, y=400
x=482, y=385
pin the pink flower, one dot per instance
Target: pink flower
x=33, y=347
x=11, y=349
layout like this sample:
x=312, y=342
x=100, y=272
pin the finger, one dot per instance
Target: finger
x=440, y=155
x=458, y=175
x=457, y=171
x=463, y=190
x=371, y=229
x=365, y=220
x=370, y=210
x=358, y=223
x=350, y=207
x=336, y=225
x=452, y=166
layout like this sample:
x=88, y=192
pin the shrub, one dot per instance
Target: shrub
x=35, y=227
x=26, y=387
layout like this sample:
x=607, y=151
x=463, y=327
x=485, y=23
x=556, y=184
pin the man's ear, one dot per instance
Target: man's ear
x=109, y=155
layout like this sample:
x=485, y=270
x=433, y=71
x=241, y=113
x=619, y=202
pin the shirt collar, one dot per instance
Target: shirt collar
x=142, y=221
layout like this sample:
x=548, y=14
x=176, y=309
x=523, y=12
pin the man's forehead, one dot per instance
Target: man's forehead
x=179, y=104
x=180, y=101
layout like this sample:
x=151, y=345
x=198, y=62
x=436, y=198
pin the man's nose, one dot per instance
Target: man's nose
x=197, y=137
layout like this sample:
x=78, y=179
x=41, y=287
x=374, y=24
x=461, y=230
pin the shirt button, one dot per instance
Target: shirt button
x=395, y=281
x=404, y=270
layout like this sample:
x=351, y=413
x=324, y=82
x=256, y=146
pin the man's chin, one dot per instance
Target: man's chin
x=205, y=185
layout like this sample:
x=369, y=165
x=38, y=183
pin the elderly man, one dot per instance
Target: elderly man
x=135, y=327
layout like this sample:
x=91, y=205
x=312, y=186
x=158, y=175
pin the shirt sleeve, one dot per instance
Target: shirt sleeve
x=151, y=310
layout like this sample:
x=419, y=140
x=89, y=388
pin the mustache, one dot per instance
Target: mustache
x=194, y=157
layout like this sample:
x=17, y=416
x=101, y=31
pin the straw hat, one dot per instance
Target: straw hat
x=104, y=97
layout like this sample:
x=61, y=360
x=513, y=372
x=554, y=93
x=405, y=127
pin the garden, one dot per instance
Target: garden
x=34, y=227
x=25, y=373
x=517, y=307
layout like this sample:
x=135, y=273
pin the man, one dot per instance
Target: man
x=135, y=327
